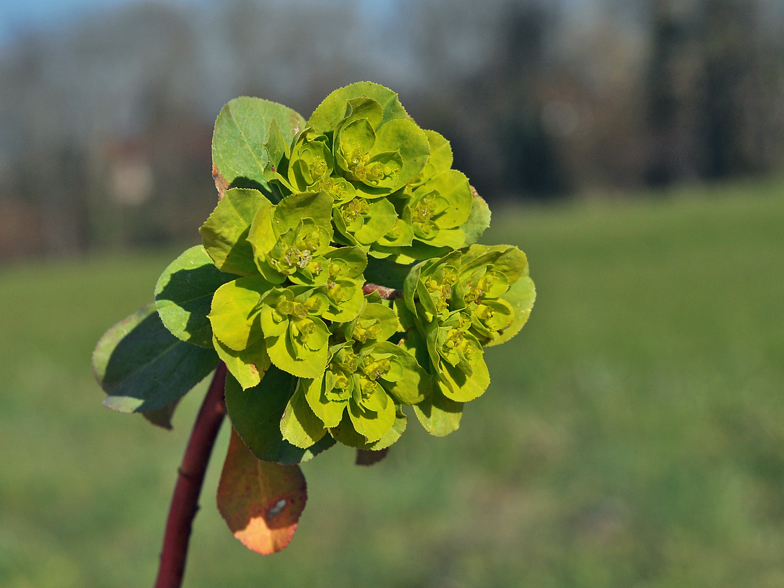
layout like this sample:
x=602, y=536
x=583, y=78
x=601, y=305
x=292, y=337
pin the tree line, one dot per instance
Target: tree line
x=105, y=127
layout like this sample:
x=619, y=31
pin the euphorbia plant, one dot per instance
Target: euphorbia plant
x=338, y=282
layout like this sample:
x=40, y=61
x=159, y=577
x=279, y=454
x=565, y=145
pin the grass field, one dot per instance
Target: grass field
x=633, y=435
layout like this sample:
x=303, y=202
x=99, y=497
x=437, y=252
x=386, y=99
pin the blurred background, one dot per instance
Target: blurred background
x=633, y=435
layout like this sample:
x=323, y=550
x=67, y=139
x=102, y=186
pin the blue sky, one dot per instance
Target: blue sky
x=20, y=16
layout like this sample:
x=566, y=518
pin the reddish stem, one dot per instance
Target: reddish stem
x=185, y=501
x=384, y=292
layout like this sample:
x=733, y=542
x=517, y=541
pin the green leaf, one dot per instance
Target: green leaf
x=183, y=295
x=328, y=412
x=478, y=220
x=347, y=435
x=417, y=251
x=380, y=220
x=234, y=312
x=247, y=366
x=460, y=387
x=277, y=148
x=410, y=285
x=298, y=359
x=415, y=384
x=407, y=139
x=392, y=435
x=333, y=109
x=225, y=233
x=261, y=502
x=293, y=208
x=255, y=414
x=371, y=425
x=400, y=235
x=440, y=156
x=439, y=415
x=241, y=131
x=521, y=296
x=386, y=273
x=299, y=425
x=143, y=367
x=363, y=108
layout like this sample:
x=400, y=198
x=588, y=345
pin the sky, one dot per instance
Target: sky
x=22, y=16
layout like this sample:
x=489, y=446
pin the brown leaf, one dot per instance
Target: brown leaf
x=220, y=182
x=163, y=416
x=260, y=501
x=366, y=457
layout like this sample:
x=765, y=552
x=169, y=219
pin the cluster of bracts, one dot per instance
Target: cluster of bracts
x=352, y=271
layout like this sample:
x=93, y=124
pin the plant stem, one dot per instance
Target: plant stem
x=185, y=502
x=384, y=292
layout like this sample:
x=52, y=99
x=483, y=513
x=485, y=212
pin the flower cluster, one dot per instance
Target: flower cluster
x=357, y=189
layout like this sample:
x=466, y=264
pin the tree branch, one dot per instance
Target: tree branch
x=384, y=292
x=185, y=501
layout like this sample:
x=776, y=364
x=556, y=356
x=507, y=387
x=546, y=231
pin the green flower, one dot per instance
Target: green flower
x=307, y=167
x=440, y=160
x=438, y=207
x=290, y=239
x=363, y=222
x=343, y=287
x=237, y=334
x=311, y=161
x=457, y=357
x=353, y=380
x=461, y=302
x=491, y=283
x=429, y=287
x=366, y=381
x=366, y=377
x=432, y=208
x=494, y=286
x=377, y=156
x=295, y=335
x=375, y=322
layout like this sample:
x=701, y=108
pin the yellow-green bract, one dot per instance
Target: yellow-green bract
x=310, y=212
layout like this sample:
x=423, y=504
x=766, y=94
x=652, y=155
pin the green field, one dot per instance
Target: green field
x=633, y=435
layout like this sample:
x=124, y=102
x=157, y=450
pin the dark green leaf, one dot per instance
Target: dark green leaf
x=143, y=367
x=386, y=273
x=183, y=295
x=255, y=414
